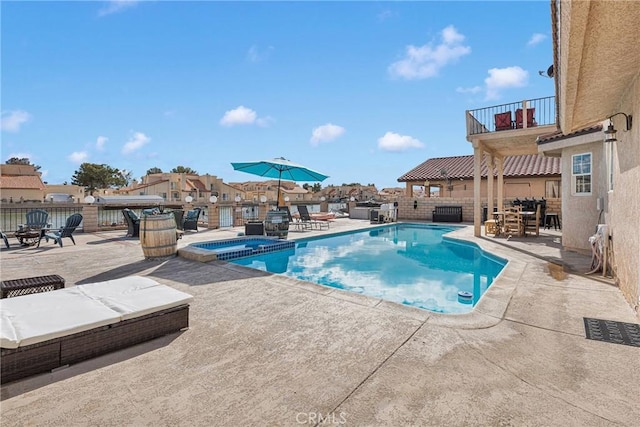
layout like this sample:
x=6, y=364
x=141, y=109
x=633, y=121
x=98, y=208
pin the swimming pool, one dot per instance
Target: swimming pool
x=411, y=264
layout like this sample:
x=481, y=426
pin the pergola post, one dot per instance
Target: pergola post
x=500, y=167
x=490, y=167
x=477, y=179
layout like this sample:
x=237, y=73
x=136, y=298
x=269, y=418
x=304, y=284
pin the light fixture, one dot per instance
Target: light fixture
x=213, y=199
x=322, y=199
x=263, y=198
x=610, y=133
x=89, y=199
x=286, y=199
x=238, y=198
x=188, y=199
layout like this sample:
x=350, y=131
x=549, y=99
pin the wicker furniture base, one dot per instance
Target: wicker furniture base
x=30, y=285
x=42, y=357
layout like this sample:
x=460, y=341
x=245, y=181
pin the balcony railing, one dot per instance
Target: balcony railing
x=516, y=115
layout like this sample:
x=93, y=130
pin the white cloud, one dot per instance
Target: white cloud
x=78, y=157
x=137, y=141
x=256, y=55
x=536, y=38
x=115, y=6
x=421, y=62
x=243, y=116
x=100, y=142
x=395, y=142
x=12, y=120
x=326, y=133
x=472, y=90
x=504, y=78
x=385, y=14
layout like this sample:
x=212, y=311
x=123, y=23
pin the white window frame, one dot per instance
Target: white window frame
x=577, y=175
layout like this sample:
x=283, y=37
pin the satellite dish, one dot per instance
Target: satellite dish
x=549, y=72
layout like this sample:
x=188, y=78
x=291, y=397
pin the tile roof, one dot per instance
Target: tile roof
x=556, y=136
x=195, y=184
x=22, y=182
x=462, y=167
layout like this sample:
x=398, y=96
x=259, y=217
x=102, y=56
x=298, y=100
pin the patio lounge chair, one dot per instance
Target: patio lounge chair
x=90, y=320
x=294, y=222
x=133, y=222
x=191, y=219
x=67, y=231
x=306, y=218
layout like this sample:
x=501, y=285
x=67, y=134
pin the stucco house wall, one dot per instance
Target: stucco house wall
x=624, y=200
x=580, y=211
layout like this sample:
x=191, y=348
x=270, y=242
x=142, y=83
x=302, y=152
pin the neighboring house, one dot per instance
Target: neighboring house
x=346, y=192
x=74, y=193
x=21, y=183
x=597, y=57
x=175, y=187
x=527, y=176
x=391, y=192
x=254, y=191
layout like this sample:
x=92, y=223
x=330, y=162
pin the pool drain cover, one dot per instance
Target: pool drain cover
x=612, y=331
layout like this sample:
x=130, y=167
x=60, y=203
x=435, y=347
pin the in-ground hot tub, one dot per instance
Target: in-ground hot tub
x=227, y=249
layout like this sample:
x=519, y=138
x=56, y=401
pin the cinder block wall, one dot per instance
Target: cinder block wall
x=424, y=207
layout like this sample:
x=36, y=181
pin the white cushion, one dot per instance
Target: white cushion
x=43, y=316
x=135, y=296
x=35, y=318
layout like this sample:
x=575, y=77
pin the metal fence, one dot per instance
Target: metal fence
x=484, y=120
x=12, y=216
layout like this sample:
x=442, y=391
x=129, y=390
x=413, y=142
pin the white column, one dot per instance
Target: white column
x=477, y=204
x=500, y=167
x=490, y=168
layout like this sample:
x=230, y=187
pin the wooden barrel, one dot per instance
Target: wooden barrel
x=158, y=236
x=277, y=224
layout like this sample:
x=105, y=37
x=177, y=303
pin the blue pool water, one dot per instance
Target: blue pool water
x=410, y=264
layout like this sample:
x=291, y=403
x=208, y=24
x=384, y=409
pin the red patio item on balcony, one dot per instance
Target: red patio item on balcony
x=503, y=121
x=530, y=120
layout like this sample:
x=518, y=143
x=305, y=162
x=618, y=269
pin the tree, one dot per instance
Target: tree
x=183, y=169
x=21, y=161
x=127, y=176
x=154, y=170
x=94, y=176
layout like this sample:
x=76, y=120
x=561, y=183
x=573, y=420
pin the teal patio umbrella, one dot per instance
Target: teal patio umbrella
x=280, y=168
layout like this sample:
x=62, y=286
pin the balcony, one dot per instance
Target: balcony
x=512, y=129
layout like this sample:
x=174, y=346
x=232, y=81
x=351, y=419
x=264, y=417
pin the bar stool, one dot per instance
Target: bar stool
x=491, y=227
x=550, y=217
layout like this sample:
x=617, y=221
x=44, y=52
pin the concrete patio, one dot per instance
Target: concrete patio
x=272, y=351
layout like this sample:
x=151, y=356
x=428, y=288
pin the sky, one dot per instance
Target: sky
x=360, y=91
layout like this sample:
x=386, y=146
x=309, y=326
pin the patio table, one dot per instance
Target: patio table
x=29, y=237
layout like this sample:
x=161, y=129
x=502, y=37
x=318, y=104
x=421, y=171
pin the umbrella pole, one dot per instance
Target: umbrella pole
x=278, y=196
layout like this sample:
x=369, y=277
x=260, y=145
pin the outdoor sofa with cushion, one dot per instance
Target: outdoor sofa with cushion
x=44, y=331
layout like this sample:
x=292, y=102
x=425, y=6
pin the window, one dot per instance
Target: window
x=552, y=189
x=581, y=173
